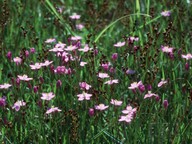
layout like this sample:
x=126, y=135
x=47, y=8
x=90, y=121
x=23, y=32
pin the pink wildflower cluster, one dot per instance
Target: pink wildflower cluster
x=129, y=114
x=84, y=96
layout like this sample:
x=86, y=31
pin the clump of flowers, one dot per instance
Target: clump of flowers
x=129, y=114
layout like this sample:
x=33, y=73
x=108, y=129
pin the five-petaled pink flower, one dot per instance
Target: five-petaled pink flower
x=116, y=102
x=84, y=96
x=101, y=107
x=79, y=26
x=110, y=82
x=103, y=75
x=52, y=110
x=167, y=49
x=83, y=63
x=84, y=86
x=18, y=104
x=36, y=66
x=119, y=44
x=75, y=16
x=5, y=86
x=71, y=48
x=149, y=95
x=76, y=38
x=135, y=85
x=162, y=82
x=187, y=56
x=17, y=60
x=46, y=63
x=126, y=118
x=129, y=110
x=166, y=13
x=47, y=96
x=85, y=49
x=24, y=77
x=51, y=40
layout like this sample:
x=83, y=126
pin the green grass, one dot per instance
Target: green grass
x=27, y=24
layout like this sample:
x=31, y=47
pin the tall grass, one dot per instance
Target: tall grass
x=27, y=24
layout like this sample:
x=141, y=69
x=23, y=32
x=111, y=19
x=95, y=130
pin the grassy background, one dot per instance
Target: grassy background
x=26, y=24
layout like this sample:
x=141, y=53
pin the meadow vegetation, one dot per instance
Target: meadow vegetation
x=95, y=71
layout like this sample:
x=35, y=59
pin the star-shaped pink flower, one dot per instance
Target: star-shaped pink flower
x=24, y=77
x=116, y=102
x=110, y=82
x=84, y=96
x=101, y=107
x=5, y=86
x=52, y=110
x=149, y=95
x=119, y=44
x=135, y=85
x=103, y=75
x=47, y=96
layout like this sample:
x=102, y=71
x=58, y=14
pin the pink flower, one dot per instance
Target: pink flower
x=116, y=102
x=52, y=110
x=149, y=95
x=24, y=78
x=75, y=16
x=165, y=104
x=79, y=26
x=60, y=70
x=130, y=114
x=132, y=39
x=46, y=63
x=103, y=75
x=101, y=107
x=129, y=110
x=84, y=86
x=119, y=44
x=51, y=40
x=5, y=86
x=114, y=56
x=36, y=66
x=162, y=82
x=105, y=66
x=126, y=118
x=2, y=101
x=167, y=49
x=18, y=104
x=84, y=96
x=91, y=112
x=110, y=82
x=83, y=63
x=135, y=85
x=17, y=60
x=187, y=56
x=71, y=48
x=76, y=38
x=129, y=71
x=47, y=96
x=32, y=50
x=60, y=45
x=9, y=55
x=56, y=49
x=166, y=13
x=85, y=49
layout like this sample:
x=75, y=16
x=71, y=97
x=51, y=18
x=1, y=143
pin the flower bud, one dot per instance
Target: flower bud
x=91, y=112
